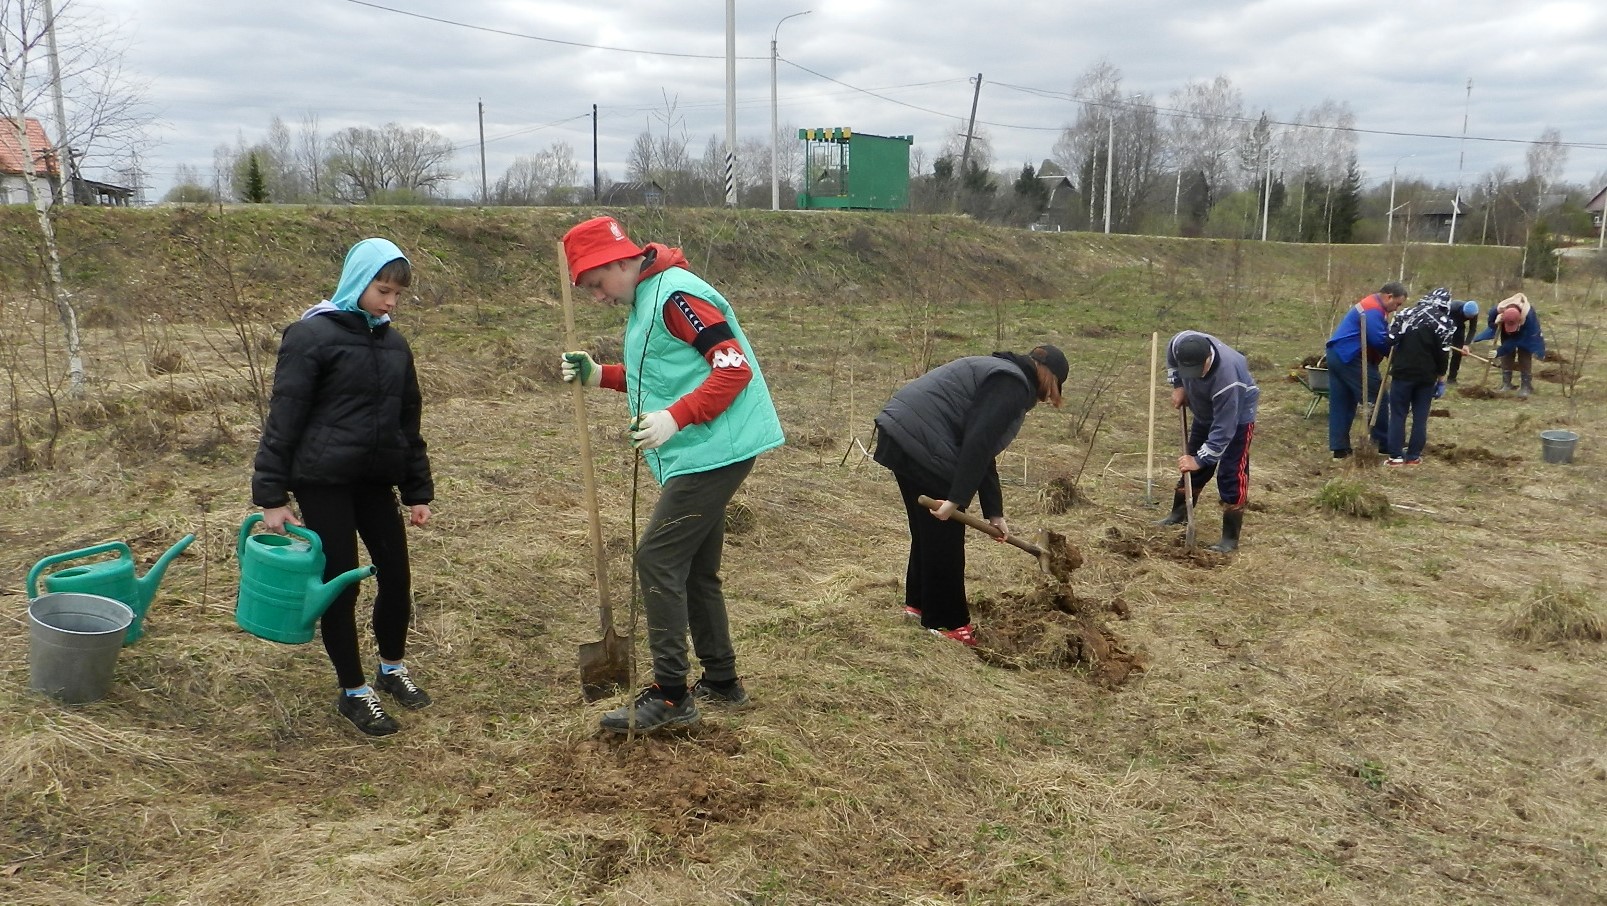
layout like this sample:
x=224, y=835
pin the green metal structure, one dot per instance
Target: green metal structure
x=845, y=170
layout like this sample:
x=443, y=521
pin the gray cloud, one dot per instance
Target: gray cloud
x=219, y=69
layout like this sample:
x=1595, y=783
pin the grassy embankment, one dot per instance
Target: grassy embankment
x=1348, y=711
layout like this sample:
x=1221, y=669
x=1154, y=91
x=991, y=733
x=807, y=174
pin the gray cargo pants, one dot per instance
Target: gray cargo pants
x=678, y=565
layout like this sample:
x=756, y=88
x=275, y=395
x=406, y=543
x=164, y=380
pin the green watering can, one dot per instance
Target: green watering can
x=113, y=578
x=282, y=587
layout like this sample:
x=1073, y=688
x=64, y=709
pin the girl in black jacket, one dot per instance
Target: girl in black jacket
x=342, y=438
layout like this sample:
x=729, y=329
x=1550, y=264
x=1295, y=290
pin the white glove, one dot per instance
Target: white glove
x=582, y=364
x=652, y=430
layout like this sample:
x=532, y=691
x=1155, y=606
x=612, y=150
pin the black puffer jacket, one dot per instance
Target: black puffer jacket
x=346, y=409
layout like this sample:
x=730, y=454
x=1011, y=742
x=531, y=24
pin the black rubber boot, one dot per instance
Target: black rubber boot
x=1506, y=382
x=1526, y=387
x=1179, y=513
x=1232, y=523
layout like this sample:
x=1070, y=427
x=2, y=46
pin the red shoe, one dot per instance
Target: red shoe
x=965, y=635
x=912, y=612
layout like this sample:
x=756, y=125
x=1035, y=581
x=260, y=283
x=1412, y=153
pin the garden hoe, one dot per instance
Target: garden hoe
x=1060, y=568
x=605, y=665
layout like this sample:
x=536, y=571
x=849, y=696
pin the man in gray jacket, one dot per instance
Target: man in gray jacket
x=1215, y=381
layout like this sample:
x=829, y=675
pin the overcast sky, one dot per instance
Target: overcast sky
x=220, y=69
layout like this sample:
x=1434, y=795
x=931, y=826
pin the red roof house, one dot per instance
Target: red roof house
x=45, y=163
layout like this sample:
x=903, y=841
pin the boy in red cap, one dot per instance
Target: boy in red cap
x=700, y=413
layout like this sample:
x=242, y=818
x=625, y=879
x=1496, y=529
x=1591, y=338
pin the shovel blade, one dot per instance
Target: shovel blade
x=605, y=666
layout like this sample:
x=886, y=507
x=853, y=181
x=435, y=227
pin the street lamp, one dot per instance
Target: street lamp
x=1389, y=233
x=775, y=172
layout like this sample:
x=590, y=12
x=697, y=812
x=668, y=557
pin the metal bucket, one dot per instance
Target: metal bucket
x=73, y=641
x=1317, y=379
x=1558, y=446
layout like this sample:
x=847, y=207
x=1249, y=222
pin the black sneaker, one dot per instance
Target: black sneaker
x=1341, y=454
x=366, y=713
x=398, y=685
x=729, y=693
x=652, y=711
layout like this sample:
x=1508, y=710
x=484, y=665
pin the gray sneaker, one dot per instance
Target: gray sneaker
x=729, y=694
x=652, y=711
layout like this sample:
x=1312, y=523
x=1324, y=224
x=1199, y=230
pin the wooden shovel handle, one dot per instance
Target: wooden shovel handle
x=605, y=606
x=983, y=526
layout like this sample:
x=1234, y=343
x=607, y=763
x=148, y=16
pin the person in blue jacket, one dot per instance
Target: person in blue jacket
x=1214, y=381
x=1346, y=371
x=701, y=414
x=1515, y=327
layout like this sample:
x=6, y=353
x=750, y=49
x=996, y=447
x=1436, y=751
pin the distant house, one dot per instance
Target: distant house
x=1435, y=218
x=1054, y=216
x=647, y=194
x=1594, y=207
x=45, y=166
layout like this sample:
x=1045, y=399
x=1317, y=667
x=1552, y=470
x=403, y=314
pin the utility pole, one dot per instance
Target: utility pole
x=64, y=155
x=965, y=151
x=730, y=103
x=1456, y=203
x=596, y=178
x=1110, y=156
x=485, y=197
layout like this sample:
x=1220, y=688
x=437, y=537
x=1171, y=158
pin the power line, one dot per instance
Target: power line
x=1190, y=114
x=523, y=36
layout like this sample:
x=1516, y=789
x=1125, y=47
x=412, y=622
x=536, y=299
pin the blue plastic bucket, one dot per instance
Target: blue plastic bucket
x=73, y=641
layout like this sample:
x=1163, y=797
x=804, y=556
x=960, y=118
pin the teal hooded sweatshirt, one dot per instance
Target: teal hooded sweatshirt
x=362, y=263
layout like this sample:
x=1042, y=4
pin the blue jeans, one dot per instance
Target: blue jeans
x=1413, y=396
x=1344, y=396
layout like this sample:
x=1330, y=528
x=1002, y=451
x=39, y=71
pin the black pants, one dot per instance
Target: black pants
x=934, y=580
x=340, y=514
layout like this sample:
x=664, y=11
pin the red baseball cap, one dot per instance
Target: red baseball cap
x=594, y=243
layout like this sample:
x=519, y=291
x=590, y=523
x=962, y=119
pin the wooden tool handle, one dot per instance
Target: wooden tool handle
x=983, y=526
x=605, y=606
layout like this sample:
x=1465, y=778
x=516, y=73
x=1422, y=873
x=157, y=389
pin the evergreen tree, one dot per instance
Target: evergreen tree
x=1345, y=210
x=256, y=188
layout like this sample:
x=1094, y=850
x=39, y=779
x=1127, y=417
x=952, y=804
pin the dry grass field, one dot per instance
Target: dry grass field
x=1403, y=706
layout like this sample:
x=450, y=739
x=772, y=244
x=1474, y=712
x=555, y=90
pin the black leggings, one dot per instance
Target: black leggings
x=340, y=514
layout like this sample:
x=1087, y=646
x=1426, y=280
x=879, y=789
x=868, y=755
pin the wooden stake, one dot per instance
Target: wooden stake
x=1149, y=451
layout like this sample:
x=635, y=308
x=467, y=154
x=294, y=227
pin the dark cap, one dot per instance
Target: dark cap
x=1053, y=359
x=1191, y=354
x=1393, y=288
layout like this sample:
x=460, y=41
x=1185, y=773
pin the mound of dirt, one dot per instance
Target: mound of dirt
x=1049, y=627
x=1476, y=392
x=1451, y=453
x=1136, y=545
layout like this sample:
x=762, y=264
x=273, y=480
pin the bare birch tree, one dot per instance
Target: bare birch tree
x=1207, y=130
x=106, y=113
x=1545, y=158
